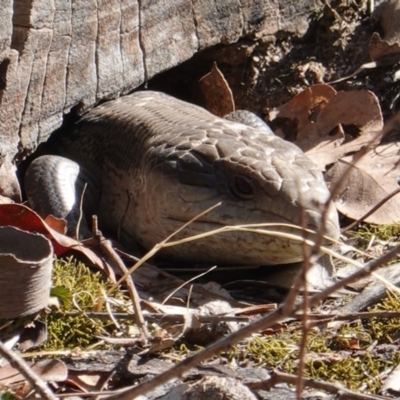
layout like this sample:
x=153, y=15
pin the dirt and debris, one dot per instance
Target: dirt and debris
x=266, y=75
x=267, y=72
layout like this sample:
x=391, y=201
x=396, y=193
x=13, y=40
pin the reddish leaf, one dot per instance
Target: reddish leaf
x=59, y=225
x=24, y=218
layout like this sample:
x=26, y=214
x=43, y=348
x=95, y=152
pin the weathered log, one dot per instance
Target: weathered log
x=60, y=54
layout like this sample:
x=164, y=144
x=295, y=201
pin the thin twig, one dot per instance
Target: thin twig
x=305, y=327
x=159, y=317
x=303, y=274
x=133, y=294
x=388, y=60
x=357, y=315
x=106, y=246
x=323, y=319
x=187, y=282
x=197, y=289
x=36, y=382
x=284, y=311
x=335, y=388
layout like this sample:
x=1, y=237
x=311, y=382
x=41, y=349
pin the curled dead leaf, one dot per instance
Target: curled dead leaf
x=47, y=370
x=24, y=218
x=368, y=181
x=26, y=261
x=379, y=48
x=388, y=15
x=322, y=117
x=325, y=123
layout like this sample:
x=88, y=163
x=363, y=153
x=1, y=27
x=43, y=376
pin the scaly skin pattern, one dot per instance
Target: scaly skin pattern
x=152, y=162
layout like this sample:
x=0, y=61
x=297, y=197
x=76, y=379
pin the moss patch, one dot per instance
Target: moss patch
x=79, y=289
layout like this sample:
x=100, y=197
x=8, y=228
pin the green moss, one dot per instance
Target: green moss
x=275, y=351
x=341, y=355
x=385, y=233
x=332, y=355
x=6, y=395
x=353, y=372
x=78, y=289
x=384, y=329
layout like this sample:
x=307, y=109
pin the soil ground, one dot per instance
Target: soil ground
x=266, y=72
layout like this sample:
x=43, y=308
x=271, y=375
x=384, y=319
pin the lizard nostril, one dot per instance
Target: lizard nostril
x=242, y=187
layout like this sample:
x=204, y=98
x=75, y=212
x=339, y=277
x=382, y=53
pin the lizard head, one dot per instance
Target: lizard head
x=255, y=177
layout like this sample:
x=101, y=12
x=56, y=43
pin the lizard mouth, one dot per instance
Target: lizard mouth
x=312, y=224
x=217, y=224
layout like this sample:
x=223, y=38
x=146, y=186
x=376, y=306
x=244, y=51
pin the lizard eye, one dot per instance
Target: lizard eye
x=242, y=187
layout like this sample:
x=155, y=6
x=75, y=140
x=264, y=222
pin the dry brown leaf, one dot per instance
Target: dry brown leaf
x=320, y=113
x=34, y=335
x=373, y=177
x=87, y=381
x=388, y=15
x=322, y=117
x=24, y=218
x=216, y=93
x=379, y=48
x=48, y=370
x=303, y=108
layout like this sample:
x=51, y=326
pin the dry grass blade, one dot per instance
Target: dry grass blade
x=288, y=309
x=159, y=246
x=369, y=65
x=186, y=282
x=354, y=316
x=133, y=294
x=165, y=317
x=78, y=224
x=284, y=311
